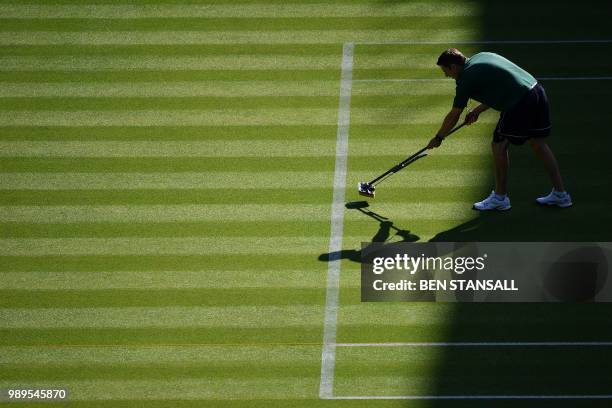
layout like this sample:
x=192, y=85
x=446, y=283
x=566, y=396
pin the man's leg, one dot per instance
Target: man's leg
x=500, y=157
x=543, y=152
x=498, y=200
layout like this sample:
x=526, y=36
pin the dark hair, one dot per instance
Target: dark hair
x=451, y=56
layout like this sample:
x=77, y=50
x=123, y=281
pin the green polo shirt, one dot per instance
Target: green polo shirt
x=493, y=80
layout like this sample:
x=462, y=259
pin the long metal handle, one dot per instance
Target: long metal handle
x=410, y=159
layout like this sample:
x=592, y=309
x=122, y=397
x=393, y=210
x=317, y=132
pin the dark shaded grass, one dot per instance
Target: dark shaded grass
x=577, y=110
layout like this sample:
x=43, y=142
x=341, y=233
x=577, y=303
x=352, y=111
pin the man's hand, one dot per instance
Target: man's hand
x=471, y=117
x=436, y=141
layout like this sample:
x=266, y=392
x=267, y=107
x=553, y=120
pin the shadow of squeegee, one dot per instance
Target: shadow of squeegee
x=360, y=205
x=385, y=224
x=382, y=235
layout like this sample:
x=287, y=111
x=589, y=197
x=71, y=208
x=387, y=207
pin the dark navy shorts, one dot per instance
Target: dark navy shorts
x=529, y=118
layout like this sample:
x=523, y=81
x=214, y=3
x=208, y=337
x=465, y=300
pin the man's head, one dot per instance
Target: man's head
x=451, y=62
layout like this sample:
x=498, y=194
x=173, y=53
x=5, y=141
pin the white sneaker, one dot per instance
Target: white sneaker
x=555, y=198
x=492, y=203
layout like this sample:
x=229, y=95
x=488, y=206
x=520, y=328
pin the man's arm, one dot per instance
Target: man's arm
x=448, y=124
x=472, y=115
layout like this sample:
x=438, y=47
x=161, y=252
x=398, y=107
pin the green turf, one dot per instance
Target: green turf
x=180, y=133
x=167, y=166
x=231, y=24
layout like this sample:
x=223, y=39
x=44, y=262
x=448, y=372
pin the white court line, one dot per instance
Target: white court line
x=601, y=41
x=603, y=78
x=484, y=344
x=328, y=355
x=405, y=80
x=474, y=397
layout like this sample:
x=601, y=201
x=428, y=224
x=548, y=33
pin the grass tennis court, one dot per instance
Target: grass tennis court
x=167, y=178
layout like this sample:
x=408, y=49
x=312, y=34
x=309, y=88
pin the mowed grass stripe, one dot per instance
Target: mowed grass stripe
x=161, y=103
x=241, y=155
x=172, y=164
x=164, y=213
x=357, y=224
x=417, y=132
x=212, y=212
x=196, y=354
x=81, y=298
x=254, y=369
x=84, y=84
x=261, y=362
x=228, y=10
x=142, y=280
x=261, y=24
x=151, y=62
x=406, y=115
x=392, y=89
x=167, y=133
x=160, y=246
x=186, y=389
x=184, y=180
x=187, y=82
x=253, y=316
x=415, y=75
x=158, y=263
x=109, y=77
x=237, y=61
x=226, y=117
x=204, y=103
x=199, y=390
x=134, y=50
x=168, y=196
x=226, y=229
x=222, y=180
x=176, y=163
x=370, y=331
x=423, y=316
x=152, y=336
x=235, y=37
x=196, y=87
x=217, y=117
x=175, y=150
x=321, y=196
x=358, y=133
